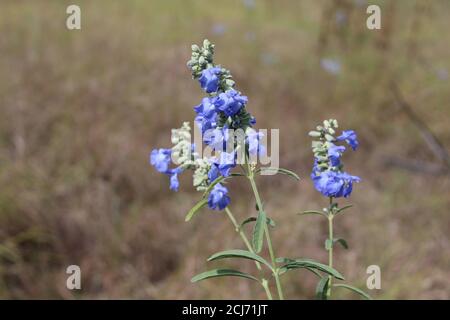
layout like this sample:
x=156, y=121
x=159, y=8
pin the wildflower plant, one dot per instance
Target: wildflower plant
x=332, y=181
x=219, y=115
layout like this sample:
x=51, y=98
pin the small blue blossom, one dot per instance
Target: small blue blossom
x=213, y=173
x=218, y=199
x=174, y=183
x=334, y=184
x=217, y=138
x=226, y=162
x=160, y=159
x=335, y=153
x=206, y=108
x=349, y=136
x=209, y=80
x=254, y=144
x=230, y=102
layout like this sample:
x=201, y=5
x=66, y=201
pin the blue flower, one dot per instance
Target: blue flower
x=226, y=162
x=348, y=186
x=217, y=138
x=209, y=80
x=230, y=102
x=160, y=159
x=327, y=183
x=334, y=184
x=174, y=183
x=218, y=199
x=335, y=153
x=254, y=144
x=206, y=115
x=350, y=137
x=213, y=173
x=206, y=108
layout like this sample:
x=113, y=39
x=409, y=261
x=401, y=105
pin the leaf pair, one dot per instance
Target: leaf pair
x=244, y=254
x=310, y=265
x=329, y=243
x=323, y=285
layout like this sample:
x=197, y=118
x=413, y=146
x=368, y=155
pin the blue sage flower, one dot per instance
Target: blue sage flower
x=334, y=184
x=174, y=183
x=160, y=159
x=213, y=172
x=210, y=78
x=254, y=144
x=226, y=162
x=334, y=154
x=349, y=136
x=218, y=199
x=230, y=102
x=206, y=108
x=217, y=138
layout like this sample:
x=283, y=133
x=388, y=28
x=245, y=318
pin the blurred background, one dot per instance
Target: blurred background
x=81, y=110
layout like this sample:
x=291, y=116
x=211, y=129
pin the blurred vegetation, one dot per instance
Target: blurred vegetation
x=82, y=109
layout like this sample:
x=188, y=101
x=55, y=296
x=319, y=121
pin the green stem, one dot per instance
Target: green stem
x=330, y=250
x=267, y=234
x=242, y=234
x=249, y=247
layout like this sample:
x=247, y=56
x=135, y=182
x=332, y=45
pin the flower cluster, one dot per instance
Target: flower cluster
x=222, y=110
x=328, y=175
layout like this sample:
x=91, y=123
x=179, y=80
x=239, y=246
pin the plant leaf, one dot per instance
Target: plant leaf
x=238, y=254
x=279, y=170
x=313, y=212
x=195, y=208
x=342, y=242
x=343, y=208
x=306, y=263
x=351, y=288
x=321, y=289
x=221, y=273
x=270, y=222
x=258, y=232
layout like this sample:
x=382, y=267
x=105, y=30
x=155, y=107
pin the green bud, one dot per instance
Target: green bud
x=195, y=48
x=314, y=134
x=202, y=60
x=329, y=137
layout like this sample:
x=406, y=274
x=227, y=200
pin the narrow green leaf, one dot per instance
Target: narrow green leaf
x=321, y=289
x=343, y=208
x=221, y=273
x=270, y=222
x=313, y=212
x=195, y=208
x=342, y=242
x=306, y=263
x=258, y=232
x=351, y=288
x=278, y=170
x=238, y=254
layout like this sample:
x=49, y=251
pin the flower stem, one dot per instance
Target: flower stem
x=267, y=234
x=249, y=247
x=242, y=234
x=330, y=239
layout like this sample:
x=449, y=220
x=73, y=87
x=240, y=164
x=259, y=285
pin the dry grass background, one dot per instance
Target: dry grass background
x=80, y=111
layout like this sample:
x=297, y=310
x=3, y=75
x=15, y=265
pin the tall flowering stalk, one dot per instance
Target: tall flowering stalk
x=332, y=181
x=224, y=109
